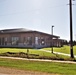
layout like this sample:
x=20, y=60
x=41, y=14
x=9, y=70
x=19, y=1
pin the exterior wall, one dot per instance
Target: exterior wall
x=30, y=39
x=41, y=40
x=58, y=42
x=17, y=40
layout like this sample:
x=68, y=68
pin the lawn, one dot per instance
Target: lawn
x=31, y=51
x=48, y=67
x=40, y=54
x=64, y=49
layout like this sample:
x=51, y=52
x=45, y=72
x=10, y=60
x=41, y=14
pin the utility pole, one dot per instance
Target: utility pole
x=52, y=39
x=71, y=35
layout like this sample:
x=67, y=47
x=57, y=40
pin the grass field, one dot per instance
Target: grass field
x=48, y=67
x=64, y=49
x=41, y=54
x=31, y=51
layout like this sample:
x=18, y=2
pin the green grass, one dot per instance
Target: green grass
x=3, y=50
x=31, y=51
x=41, y=54
x=49, y=67
x=64, y=49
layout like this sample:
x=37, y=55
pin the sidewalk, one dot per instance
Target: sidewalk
x=43, y=60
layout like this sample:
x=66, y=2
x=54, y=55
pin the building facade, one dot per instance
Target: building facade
x=28, y=39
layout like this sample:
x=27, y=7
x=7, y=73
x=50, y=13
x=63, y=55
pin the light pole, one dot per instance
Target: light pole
x=52, y=38
x=71, y=35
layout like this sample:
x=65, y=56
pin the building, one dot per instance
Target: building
x=28, y=39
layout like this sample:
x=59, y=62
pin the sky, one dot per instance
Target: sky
x=38, y=15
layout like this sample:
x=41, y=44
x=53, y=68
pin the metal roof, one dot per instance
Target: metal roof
x=17, y=30
x=14, y=30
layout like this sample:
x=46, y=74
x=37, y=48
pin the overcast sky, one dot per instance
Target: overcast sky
x=38, y=15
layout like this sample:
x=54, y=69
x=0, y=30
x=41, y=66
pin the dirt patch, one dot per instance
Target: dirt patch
x=12, y=71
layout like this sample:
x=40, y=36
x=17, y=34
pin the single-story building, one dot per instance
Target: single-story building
x=22, y=37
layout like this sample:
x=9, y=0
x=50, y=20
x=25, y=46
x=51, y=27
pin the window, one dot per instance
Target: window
x=42, y=41
x=14, y=40
x=36, y=40
x=25, y=41
x=5, y=40
x=29, y=40
x=0, y=41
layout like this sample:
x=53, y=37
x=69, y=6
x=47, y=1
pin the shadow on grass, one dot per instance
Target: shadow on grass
x=36, y=56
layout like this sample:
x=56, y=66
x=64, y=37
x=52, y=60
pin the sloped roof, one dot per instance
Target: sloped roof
x=14, y=30
x=17, y=30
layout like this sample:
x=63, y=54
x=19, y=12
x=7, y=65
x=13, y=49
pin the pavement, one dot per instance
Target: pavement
x=43, y=60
